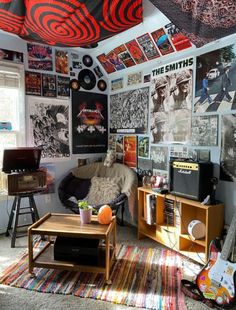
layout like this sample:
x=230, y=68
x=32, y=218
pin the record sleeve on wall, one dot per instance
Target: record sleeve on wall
x=87, y=79
x=89, y=122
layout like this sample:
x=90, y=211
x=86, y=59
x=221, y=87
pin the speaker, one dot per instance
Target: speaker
x=190, y=179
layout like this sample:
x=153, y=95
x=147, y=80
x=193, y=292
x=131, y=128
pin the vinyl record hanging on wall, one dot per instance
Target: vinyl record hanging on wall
x=74, y=84
x=87, y=79
x=87, y=60
x=102, y=85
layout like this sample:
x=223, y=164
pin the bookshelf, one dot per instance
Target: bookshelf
x=172, y=216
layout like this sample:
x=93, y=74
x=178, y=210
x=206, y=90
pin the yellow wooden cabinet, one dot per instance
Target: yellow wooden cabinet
x=170, y=228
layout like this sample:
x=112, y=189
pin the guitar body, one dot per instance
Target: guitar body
x=217, y=279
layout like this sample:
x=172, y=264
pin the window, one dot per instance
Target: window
x=12, y=108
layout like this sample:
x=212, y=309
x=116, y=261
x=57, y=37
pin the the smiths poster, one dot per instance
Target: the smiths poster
x=171, y=102
x=89, y=122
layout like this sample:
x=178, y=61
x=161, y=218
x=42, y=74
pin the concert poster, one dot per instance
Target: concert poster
x=124, y=55
x=205, y=130
x=143, y=146
x=129, y=111
x=63, y=87
x=49, y=88
x=159, y=155
x=134, y=78
x=107, y=65
x=89, y=123
x=148, y=46
x=135, y=51
x=117, y=84
x=178, y=39
x=33, y=83
x=11, y=56
x=49, y=127
x=130, y=151
x=162, y=41
x=114, y=58
x=61, y=61
x=39, y=57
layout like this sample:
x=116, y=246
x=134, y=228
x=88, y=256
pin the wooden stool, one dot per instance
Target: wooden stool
x=16, y=212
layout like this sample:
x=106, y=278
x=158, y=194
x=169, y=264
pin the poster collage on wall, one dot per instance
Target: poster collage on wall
x=49, y=120
x=183, y=121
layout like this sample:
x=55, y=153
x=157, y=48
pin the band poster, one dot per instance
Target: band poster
x=205, y=130
x=49, y=127
x=61, y=61
x=89, y=123
x=63, y=87
x=228, y=148
x=39, y=57
x=129, y=111
x=143, y=146
x=130, y=151
x=33, y=83
x=216, y=81
x=171, y=102
x=49, y=85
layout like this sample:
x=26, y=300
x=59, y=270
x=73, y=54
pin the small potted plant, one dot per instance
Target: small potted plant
x=85, y=211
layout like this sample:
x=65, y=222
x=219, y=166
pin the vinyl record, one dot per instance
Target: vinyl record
x=102, y=85
x=74, y=84
x=87, y=60
x=87, y=79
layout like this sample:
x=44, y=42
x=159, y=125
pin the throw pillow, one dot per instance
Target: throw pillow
x=102, y=191
x=78, y=187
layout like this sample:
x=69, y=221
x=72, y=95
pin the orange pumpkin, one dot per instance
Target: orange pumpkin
x=105, y=214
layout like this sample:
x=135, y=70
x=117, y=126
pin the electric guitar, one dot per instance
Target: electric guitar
x=217, y=279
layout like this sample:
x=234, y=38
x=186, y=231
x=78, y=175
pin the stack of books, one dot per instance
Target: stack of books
x=151, y=209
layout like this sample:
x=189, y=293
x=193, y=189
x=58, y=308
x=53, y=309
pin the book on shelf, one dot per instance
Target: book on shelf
x=151, y=209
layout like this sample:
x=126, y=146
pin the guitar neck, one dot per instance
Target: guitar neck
x=229, y=240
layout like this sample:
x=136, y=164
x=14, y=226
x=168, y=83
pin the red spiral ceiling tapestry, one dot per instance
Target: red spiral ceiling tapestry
x=69, y=22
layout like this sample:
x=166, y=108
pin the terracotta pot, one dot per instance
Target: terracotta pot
x=85, y=216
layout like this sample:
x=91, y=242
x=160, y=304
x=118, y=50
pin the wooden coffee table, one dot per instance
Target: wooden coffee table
x=69, y=225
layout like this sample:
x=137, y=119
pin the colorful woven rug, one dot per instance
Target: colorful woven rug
x=141, y=277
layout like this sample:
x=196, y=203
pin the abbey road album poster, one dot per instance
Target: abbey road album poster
x=204, y=130
x=228, y=148
x=89, y=122
x=171, y=102
x=49, y=127
x=129, y=111
x=216, y=81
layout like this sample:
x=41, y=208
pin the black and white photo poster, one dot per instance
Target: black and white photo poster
x=204, y=130
x=159, y=155
x=89, y=122
x=129, y=111
x=215, y=84
x=171, y=102
x=49, y=126
x=228, y=148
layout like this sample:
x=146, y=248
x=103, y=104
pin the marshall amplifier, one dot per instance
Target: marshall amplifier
x=16, y=183
x=191, y=179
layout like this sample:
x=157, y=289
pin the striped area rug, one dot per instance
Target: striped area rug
x=141, y=277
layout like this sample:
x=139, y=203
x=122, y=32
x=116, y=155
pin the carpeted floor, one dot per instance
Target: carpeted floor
x=15, y=298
